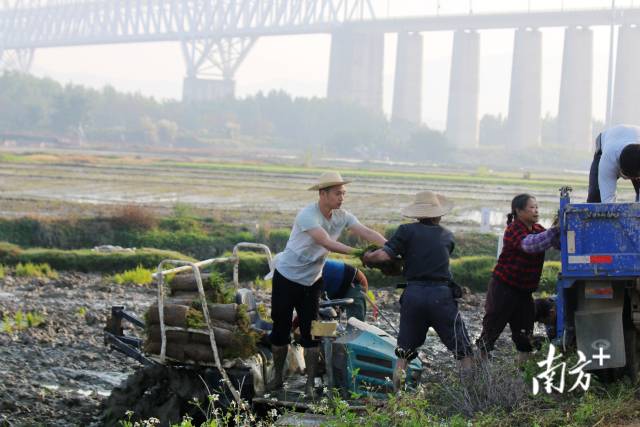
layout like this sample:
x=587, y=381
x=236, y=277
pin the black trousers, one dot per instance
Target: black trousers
x=432, y=305
x=506, y=304
x=287, y=295
x=594, y=188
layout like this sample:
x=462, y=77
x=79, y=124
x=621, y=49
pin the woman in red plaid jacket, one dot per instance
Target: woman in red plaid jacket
x=515, y=277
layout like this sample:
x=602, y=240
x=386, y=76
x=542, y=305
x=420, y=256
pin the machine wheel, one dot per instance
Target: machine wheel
x=632, y=353
x=156, y=391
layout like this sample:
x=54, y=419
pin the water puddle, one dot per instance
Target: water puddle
x=86, y=383
x=111, y=379
x=80, y=392
x=6, y=296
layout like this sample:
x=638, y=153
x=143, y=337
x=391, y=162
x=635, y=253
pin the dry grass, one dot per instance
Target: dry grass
x=135, y=217
x=488, y=387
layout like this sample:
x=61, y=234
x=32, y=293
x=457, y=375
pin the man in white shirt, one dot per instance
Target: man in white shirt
x=297, y=279
x=617, y=155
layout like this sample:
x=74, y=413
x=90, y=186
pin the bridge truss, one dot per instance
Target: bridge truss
x=216, y=35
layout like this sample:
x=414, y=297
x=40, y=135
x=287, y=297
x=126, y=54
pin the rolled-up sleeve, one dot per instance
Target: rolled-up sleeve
x=540, y=242
x=397, y=244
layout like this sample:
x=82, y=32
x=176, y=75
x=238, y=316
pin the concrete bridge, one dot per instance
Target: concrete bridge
x=216, y=36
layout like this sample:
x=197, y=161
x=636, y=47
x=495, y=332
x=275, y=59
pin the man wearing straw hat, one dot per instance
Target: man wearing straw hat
x=297, y=278
x=429, y=299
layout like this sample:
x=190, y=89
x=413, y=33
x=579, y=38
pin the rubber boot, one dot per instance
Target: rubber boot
x=399, y=375
x=279, y=358
x=311, y=360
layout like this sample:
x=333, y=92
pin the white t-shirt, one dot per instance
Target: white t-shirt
x=613, y=141
x=302, y=259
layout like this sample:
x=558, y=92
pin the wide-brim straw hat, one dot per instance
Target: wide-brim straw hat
x=428, y=204
x=328, y=179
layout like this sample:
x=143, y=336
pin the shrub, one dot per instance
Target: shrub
x=195, y=243
x=134, y=217
x=277, y=239
x=475, y=244
x=35, y=270
x=139, y=275
x=251, y=265
x=1, y=271
x=473, y=272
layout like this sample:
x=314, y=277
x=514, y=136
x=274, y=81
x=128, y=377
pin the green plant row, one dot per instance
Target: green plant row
x=471, y=271
x=35, y=270
x=86, y=260
x=201, y=238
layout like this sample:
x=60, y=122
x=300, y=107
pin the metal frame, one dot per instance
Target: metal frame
x=28, y=25
x=195, y=267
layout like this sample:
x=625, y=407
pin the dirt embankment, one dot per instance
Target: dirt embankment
x=59, y=373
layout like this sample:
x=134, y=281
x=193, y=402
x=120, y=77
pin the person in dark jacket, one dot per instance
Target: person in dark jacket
x=515, y=277
x=428, y=299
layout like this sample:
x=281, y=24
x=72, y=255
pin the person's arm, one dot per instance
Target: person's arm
x=322, y=238
x=362, y=279
x=607, y=178
x=376, y=257
x=393, y=248
x=367, y=234
x=540, y=242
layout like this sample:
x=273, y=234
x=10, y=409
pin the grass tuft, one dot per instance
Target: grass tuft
x=20, y=321
x=35, y=270
x=138, y=276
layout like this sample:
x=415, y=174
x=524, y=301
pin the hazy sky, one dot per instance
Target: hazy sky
x=299, y=64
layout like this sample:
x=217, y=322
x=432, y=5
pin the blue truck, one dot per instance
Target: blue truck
x=598, y=289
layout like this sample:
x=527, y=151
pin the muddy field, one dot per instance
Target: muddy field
x=239, y=195
x=60, y=373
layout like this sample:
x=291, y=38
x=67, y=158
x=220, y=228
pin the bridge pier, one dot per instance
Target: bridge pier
x=575, y=104
x=464, y=89
x=356, y=68
x=626, y=94
x=407, y=85
x=195, y=89
x=211, y=67
x=525, y=98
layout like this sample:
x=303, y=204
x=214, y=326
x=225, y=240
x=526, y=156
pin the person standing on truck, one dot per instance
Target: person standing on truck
x=515, y=277
x=617, y=155
x=297, y=277
x=428, y=299
x=341, y=280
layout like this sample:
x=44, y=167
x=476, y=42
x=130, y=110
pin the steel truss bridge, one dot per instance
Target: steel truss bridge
x=216, y=35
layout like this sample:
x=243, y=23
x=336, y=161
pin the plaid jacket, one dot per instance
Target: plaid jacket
x=516, y=267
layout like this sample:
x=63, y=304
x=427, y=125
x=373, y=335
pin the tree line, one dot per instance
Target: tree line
x=302, y=125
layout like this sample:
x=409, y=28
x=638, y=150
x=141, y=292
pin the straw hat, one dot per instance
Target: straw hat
x=428, y=204
x=328, y=179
